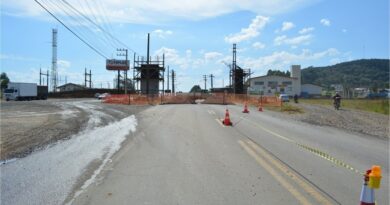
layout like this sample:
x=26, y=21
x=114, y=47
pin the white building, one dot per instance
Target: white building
x=70, y=87
x=270, y=85
x=310, y=89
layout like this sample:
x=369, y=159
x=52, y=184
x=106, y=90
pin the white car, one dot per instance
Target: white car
x=284, y=98
x=103, y=96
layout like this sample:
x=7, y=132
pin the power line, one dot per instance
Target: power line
x=90, y=46
x=97, y=18
x=61, y=8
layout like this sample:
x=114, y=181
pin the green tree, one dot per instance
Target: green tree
x=195, y=88
x=4, y=80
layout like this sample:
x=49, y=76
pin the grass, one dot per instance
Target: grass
x=290, y=109
x=287, y=107
x=376, y=105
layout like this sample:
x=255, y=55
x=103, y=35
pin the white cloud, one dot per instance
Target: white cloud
x=173, y=58
x=258, y=45
x=161, y=33
x=150, y=11
x=252, y=31
x=63, y=64
x=17, y=58
x=283, y=59
x=303, y=39
x=306, y=30
x=287, y=26
x=209, y=56
x=325, y=22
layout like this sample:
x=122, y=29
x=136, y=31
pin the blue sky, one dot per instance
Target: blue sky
x=196, y=36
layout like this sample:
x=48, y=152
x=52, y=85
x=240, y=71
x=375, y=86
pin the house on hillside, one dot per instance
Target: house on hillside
x=270, y=85
x=70, y=87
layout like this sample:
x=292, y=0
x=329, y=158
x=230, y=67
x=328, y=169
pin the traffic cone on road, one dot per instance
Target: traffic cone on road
x=260, y=108
x=245, y=108
x=367, y=194
x=227, y=121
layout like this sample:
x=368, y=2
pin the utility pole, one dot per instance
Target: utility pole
x=40, y=78
x=125, y=72
x=168, y=80
x=205, y=82
x=87, y=78
x=173, y=81
x=211, y=80
x=147, y=70
x=54, y=61
x=234, y=67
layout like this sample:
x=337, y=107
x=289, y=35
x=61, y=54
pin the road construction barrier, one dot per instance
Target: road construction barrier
x=371, y=182
x=245, y=108
x=227, y=121
x=190, y=98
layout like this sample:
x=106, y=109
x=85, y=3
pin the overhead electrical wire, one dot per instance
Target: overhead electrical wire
x=97, y=19
x=80, y=24
x=65, y=7
x=105, y=40
x=104, y=30
x=81, y=39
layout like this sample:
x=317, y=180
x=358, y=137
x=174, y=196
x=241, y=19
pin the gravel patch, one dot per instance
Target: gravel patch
x=28, y=126
x=356, y=121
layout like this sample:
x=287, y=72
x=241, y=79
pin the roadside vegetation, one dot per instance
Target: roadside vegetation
x=377, y=105
x=287, y=108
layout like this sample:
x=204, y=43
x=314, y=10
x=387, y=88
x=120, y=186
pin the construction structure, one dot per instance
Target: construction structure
x=87, y=78
x=238, y=75
x=149, y=72
x=54, y=74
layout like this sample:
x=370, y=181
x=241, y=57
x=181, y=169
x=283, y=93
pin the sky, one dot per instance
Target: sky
x=196, y=36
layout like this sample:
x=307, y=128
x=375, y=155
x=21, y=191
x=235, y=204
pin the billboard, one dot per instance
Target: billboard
x=114, y=64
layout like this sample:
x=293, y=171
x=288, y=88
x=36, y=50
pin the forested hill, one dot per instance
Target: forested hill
x=371, y=73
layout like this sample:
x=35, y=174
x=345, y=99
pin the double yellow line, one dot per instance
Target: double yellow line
x=277, y=170
x=312, y=150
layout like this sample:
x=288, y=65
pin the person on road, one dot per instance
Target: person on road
x=296, y=98
x=337, y=100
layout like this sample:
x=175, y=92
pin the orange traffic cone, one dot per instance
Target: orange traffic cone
x=245, y=108
x=260, y=108
x=367, y=194
x=227, y=121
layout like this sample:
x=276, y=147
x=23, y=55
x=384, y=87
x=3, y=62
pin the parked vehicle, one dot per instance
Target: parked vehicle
x=25, y=91
x=284, y=98
x=103, y=96
x=97, y=95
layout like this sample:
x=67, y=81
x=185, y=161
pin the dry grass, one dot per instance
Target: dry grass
x=376, y=105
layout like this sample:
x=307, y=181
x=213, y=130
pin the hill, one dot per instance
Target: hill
x=371, y=73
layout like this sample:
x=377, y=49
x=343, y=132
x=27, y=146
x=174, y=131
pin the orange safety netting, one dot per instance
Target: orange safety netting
x=181, y=98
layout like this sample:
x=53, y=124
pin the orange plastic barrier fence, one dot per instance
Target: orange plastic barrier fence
x=214, y=98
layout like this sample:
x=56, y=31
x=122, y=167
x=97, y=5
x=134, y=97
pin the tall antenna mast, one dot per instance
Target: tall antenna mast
x=54, y=75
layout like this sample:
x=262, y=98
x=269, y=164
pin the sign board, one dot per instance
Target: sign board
x=114, y=64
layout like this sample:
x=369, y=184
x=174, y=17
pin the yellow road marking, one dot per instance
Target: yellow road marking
x=314, y=151
x=273, y=172
x=284, y=169
x=267, y=130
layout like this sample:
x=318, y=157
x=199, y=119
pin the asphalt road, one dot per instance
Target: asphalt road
x=182, y=154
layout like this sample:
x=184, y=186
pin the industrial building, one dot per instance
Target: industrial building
x=309, y=90
x=271, y=85
x=70, y=87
